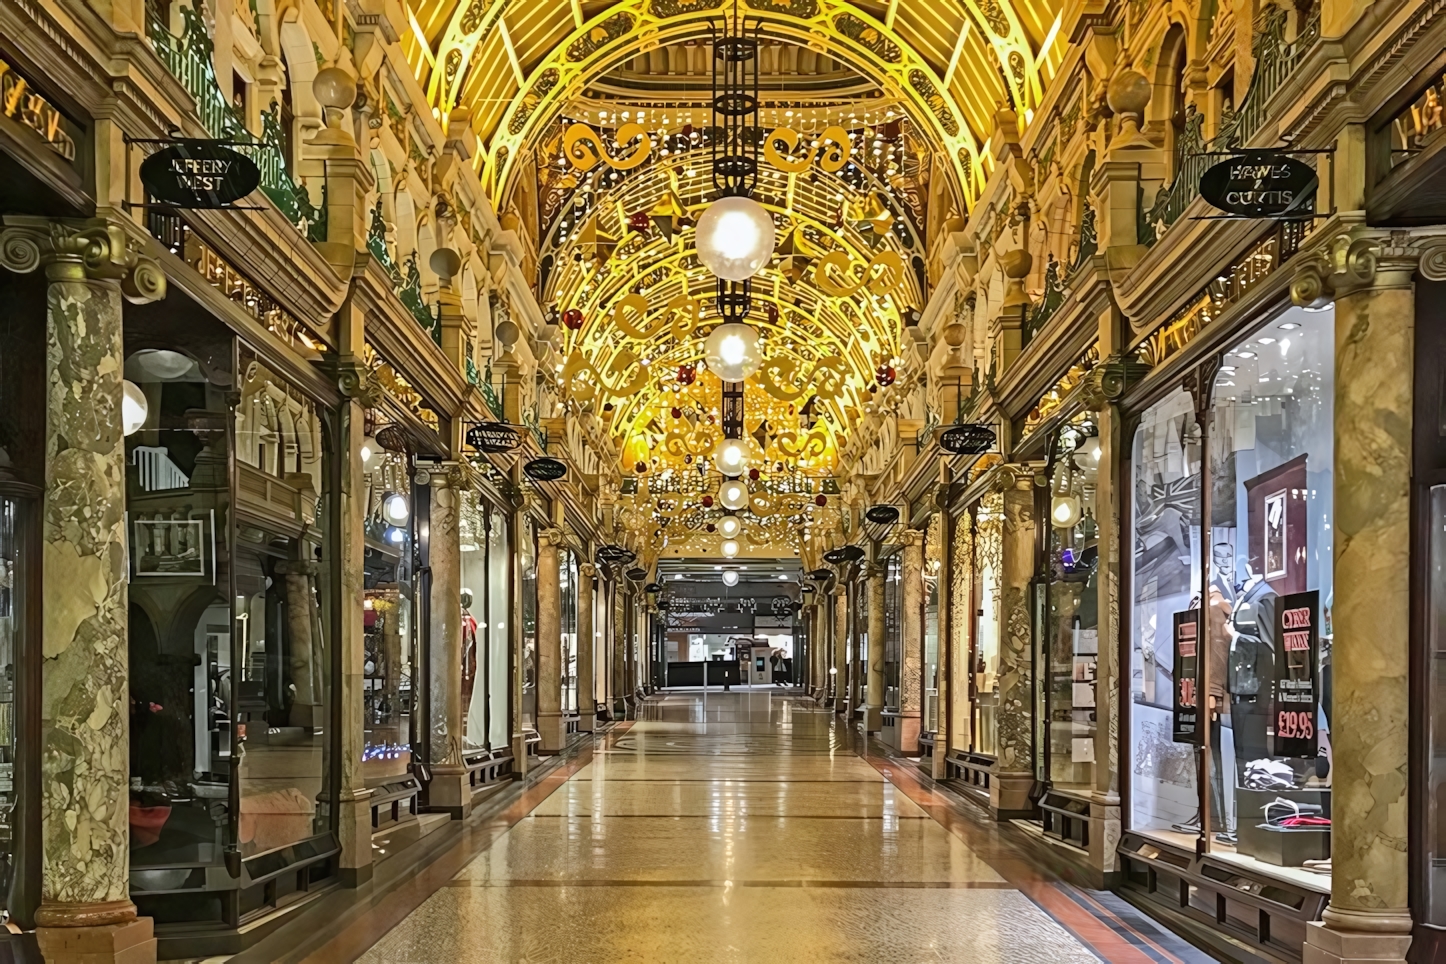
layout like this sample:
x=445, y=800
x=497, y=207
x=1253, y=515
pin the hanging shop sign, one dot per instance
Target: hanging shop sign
x=638, y=574
x=1260, y=184
x=967, y=439
x=495, y=437
x=545, y=470
x=1187, y=677
x=199, y=174
x=843, y=555
x=615, y=556
x=883, y=515
x=1297, y=693
x=819, y=575
x=653, y=587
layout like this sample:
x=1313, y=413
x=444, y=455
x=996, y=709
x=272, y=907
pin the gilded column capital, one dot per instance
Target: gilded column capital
x=586, y=570
x=1011, y=475
x=910, y=537
x=552, y=536
x=1106, y=383
x=97, y=250
x=355, y=380
x=1356, y=257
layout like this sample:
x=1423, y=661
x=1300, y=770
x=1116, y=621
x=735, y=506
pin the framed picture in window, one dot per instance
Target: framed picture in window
x=1277, y=500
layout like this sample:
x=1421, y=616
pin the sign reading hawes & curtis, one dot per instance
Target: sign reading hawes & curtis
x=20, y=103
x=1260, y=184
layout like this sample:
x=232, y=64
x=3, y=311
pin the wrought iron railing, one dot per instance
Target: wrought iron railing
x=1049, y=302
x=190, y=58
x=1089, y=238
x=410, y=294
x=489, y=394
x=1275, y=60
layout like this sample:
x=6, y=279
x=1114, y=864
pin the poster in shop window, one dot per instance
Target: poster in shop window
x=1297, y=691
x=1187, y=677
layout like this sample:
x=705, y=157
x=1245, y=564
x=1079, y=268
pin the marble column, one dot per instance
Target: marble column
x=450, y=791
x=911, y=634
x=959, y=561
x=1013, y=770
x=617, y=615
x=944, y=726
x=85, y=911
x=839, y=662
x=586, y=695
x=1369, y=917
x=299, y=576
x=551, y=724
x=874, y=699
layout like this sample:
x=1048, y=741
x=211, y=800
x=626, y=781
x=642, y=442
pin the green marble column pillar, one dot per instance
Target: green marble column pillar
x=551, y=725
x=874, y=698
x=1369, y=917
x=1013, y=773
x=85, y=911
x=586, y=694
x=911, y=631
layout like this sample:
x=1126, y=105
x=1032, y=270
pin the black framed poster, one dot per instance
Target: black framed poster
x=1297, y=691
x=1187, y=677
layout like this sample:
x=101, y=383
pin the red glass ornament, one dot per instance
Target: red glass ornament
x=753, y=475
x=638, y=220
x=686, y=374
x=677, y=412
x=641, y=467
x=885, y=375
x=572, y=318
x=712, y=527
x=820, y=500
x=688, y=459
x=707, y=502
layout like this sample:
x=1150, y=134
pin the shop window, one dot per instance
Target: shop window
x=527, y=559
x=893, y=639
x=1434, y=902
x=933, y=566
x=484, y=624
x=567, y=587
x=1070, y=639
x=388, y=625
x=988, y=560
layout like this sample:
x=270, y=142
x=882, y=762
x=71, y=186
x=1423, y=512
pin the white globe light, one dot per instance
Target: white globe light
x=164, y=364
x=729, y=547
x=134, y=408
x=730, y=526
x=730, y=577
x=368, y=451
x=735, y=238
x=733, y=495
x=731, y=457
x=1087, y=456
x=396, y=507
x=1064, y=512
x=731, y=351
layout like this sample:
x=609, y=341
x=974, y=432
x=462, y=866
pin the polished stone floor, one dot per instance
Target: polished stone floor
x=745, y=827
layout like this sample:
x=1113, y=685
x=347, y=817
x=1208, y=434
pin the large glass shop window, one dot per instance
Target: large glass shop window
x=987, y=563
x=567, y=587
x=1164, y=620
x=961, y=615
x=387, y=623
x=893, y=638
x=484, y=624
x=1271, y=437
x=283, y=679
x=181, y=652
x=12, y=582
x=1071, y=618
x=528, y=562
x=933, y=567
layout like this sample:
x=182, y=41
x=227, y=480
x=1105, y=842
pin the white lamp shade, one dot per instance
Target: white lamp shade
x=730, y=526
x=395, y=508
x=730, y=577
x=134, y=408
x=368, y=450
x=1064, y=512
x=731, y=351
x=735, y=238
x=1087, y=456
x=731, y=457
x=729, y=547
x=163, y=363
x=733, y=494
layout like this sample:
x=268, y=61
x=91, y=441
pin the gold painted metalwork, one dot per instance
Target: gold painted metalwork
x=881, y=275
x=831, y=152
x=584, y=147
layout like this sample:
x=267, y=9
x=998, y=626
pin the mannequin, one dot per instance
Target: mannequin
x=476, y=696
x=1250, y=679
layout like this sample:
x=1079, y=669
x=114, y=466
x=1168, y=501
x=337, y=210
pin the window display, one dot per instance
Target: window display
x=387, y=621
x=567, y=588
x=933, y=566
x=1070, y=630
x=987, y=562
x=484, y=624
x=893, y=630
x=527, y=561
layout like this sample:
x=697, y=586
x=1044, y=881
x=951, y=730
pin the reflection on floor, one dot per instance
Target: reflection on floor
x=745, y=827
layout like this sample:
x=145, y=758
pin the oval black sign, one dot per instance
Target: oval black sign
x=819, y=575
x=545, y=469
x=612, y=555
x=969, y=439
x=493, y=437
x=843, y=554
x=199, y=174
x=637, y=574
x=653, y=587
x=884, y=515
x=1260, y=185
x=806, y=589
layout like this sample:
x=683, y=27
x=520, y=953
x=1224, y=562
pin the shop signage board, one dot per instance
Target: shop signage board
x=967, y=439
x=24, y=105
x=1186, y=725
x=495, y=437
x=883, y=514
x=843, y=554
x=1297, y=690
x=199, y=174
x=1260, y=184
x=545, y=470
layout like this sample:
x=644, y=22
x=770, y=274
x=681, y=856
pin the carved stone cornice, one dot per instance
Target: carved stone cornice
x=1348, y=257
x=1107, y=382
x=81, y=251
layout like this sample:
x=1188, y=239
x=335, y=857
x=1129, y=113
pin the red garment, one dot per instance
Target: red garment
x=147, y=822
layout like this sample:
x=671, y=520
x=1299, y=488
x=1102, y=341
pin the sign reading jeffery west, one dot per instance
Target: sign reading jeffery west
x=199, y=174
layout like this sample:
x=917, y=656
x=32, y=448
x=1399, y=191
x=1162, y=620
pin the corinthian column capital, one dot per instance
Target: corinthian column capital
x=96, y=250
x=1353, y=257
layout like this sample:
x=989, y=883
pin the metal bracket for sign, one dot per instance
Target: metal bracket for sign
x=1329, y=152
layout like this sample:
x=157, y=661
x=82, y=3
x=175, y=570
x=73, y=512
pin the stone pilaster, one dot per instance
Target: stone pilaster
x=449, y=790
x=1013, y=773
x=874, y=697
x=1370, y=280
x=586, y=693
x=85, y=911
x=551, y=725
x=911, y=632
x=838, y=667
x=617, y=615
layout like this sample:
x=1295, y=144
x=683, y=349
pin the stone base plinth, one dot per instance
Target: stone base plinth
x=552, y=727
x=133, y=942
x=450, y=791
x=1009, y=795
x=355, y=829
x=908, y=735
x=1323, y=945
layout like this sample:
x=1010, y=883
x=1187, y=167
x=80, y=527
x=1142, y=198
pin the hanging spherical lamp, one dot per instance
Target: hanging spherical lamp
x=735, y=238
x=733, y=494
x=134, y=408
x=732, y=351
x=730, y=457
x=1064, y=512
x=730, y=577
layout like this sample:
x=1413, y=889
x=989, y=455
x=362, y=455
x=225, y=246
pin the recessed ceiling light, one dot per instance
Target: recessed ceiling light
x=1246, y=354
x=1267, y=340
x=1289, y=326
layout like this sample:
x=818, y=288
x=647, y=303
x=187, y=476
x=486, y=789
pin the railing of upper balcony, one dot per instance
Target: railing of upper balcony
x=406, y=280
x=190, y=58
x=1275, y=60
